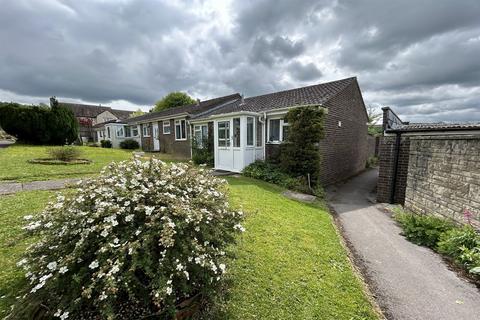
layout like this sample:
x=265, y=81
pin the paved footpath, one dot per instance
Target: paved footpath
x=13, y=187
x=408, y=281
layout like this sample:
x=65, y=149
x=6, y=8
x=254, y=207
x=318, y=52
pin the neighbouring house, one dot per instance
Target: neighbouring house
x=431, y=168
x=90, y=115
x=243, y=130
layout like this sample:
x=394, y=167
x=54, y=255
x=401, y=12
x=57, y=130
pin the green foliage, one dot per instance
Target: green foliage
x=129, y=144
x=202, y=152
x=373, y=118
x=137, y=113
x=39, y=124
x=270, y=173
x=132, y=243
x=65, y=153
x=105, y=143
x=299, y=155
x=463, y=245
x=423, y=230
x=372, y=162
x=173, y=99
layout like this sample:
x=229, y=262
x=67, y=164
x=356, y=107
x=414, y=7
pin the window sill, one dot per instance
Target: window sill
x=180, y=139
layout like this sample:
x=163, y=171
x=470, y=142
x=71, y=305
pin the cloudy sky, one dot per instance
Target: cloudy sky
x=420, y=57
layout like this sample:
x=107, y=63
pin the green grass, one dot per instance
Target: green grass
x=14, y=165
x=290, y=263
x=13, y=240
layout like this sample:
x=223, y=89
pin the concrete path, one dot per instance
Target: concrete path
x=408, y=281
x=13, y=187
x=6, y=143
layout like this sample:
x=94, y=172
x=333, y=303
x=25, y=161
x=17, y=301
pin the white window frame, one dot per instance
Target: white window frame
x=179, y=123
x=146, y=133
x=166, y=125
x=122, y=133
x=254, y=140
x=227, y=138
x=283, y=123
x=199, y=128
x=262, y=129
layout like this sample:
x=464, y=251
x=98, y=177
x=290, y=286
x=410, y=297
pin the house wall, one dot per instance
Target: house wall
x=344, y=149
x=444, y=176
x=386, y=164
x=104, y=117
x=147, y=142
x=168, y=144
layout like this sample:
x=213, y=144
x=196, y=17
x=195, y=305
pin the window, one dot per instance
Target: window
x=236, y=132
x=277, y=130
x=259, y=133
x=146, y=130
x=180, y=130
x=135, y=131
x=108, y=132
x=250, y=130
x=201, y=134
x=224, y=133
x=119, y=132
x=128, y=131
x=274, y=130
x=166, y=127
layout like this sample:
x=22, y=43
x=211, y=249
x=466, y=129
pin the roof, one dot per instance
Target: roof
x=191, y=109
x=91, y=111
x=102, y=124
x=312, y=95
x=442, y=126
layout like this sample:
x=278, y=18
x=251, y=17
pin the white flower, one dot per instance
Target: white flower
x=104, y=233
x=21, y=262
x=29, y=217
x=149, y=210
x=115, y=269
x=63, y=270
x=137, y=232
x=129, y=218
x=169, y=290
x=179, y=267
x=52, y=265
x=222, y=267
x=186, y=274
x=93, y=265
x=127, y=203
x=239, y=227
x=64, y=315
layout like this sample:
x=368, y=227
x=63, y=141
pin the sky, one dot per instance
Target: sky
x=421, y=57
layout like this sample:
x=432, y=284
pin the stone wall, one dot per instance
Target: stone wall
x=444, y=176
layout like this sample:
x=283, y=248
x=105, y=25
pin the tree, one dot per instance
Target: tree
x=137, y=113
x=299, y=155
x=173, y=99
x=373, y=117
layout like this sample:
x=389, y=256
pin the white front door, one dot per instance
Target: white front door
x=228, y=144
x=156, y=141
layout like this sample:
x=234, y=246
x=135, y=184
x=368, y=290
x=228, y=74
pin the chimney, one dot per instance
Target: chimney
x=198, y=102
x=242, y=100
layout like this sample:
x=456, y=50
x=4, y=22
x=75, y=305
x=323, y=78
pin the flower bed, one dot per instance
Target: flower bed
x=137, y=241
x=51, y=161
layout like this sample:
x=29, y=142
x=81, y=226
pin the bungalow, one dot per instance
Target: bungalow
x=243, y=130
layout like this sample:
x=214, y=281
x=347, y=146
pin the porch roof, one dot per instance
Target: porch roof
x=311, y=95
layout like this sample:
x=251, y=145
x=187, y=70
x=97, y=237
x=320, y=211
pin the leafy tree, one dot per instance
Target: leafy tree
x=373, y=117
x=299, y=154
x=137, y=113
x=173, y=99
x=62, y=124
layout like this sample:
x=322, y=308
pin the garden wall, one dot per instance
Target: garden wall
x=444, y=176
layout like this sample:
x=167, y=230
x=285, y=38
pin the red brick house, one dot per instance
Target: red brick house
x=247, y=129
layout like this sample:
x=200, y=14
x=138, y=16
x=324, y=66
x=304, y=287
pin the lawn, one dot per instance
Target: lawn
x=14, y=165
x=289, y=264
x=13, y=241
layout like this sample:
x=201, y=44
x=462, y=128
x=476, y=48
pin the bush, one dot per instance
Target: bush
x=129, y=144
x=132, y=243
x=463, y=245
x=39, y=124
x=271, y=173
x=372, y=162
x=105, y=143
x=65, y=153
x=299, y=154
x=202, y=153
x=423, y=230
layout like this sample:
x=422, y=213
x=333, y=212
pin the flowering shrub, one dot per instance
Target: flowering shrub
x=133, y=242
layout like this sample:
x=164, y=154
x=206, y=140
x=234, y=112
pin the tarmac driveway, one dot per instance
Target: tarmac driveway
x=408, y=281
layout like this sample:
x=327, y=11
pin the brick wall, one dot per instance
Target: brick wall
x=444, y=176
x=386, y=164
x=344, y=149
x=168, y=144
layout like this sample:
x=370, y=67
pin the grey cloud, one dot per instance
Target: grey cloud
x=269, y=51
x=304, y=72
